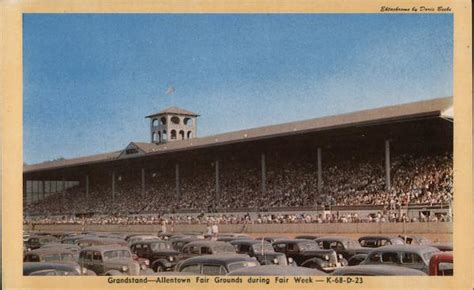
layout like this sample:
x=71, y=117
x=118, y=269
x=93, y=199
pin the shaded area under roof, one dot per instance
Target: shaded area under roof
x=430, y=108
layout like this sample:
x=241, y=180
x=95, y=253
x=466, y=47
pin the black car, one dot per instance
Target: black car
x=261, y=250
x=345, y=247
x=215, y=265
x=415, y=257
x=49, y=269
x=160, y=253
x=308, y=254
x=37, y=241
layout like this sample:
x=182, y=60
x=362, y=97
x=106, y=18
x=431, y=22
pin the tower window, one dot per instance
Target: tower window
x=181, y=134
x=173, y=134
x=175, y=120
x=163, y=121
x=188, y=122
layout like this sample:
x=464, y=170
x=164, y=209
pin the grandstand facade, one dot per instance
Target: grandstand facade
x=387, y=157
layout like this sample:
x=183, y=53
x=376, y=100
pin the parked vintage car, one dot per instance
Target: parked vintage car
x=160, y=253
x=277, y=270
x=215, y=265
x=37, y=241
x=379, y=241
x=262, y=251
x=415, y=257
x=441, y=264
x=53, y=255
x=206, y=247
x=344, y=247
x=308, y=254
x=109, y=260
x=49, y=269
x=377, y=270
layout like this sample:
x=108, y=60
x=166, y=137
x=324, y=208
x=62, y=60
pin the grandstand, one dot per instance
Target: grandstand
x=381, y=159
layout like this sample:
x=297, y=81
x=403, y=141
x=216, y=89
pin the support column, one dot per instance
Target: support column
x=64, y=188
x=264, y=174
x=25, y=192
x=320, y=171
x=143, y=182
x=42, y=189
x=178, y=191
x=87, y=187
x=217, y=180
x=387, y=165
x=113, y=185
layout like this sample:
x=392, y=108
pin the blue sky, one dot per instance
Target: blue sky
x=89, y=79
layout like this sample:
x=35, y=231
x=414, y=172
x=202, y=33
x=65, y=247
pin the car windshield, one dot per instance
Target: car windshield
x=224, y=249
x=265, y=247
x=161, y=246
x=116, y=254
x=308, y=246
x=240, y=265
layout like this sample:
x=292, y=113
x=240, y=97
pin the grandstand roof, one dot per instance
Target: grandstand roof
x=173, y=110
x=430, y=108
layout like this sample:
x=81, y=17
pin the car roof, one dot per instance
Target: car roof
x=248, y=242
x=103, y=240
x=149, y=241
x=219, y=259
x=443, y=255
x=292, y=241
x=105, y=248
x=43, y=251
x=380, y=237
x=59, y=245
x=335, y=238
x=276, y=270
x=186, y=239
x=144, y=236
x=208, y=243
x=379, y=270
x=407, y=248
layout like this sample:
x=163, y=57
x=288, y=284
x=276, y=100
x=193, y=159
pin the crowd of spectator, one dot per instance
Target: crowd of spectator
x=266, y=218
x=417, y=179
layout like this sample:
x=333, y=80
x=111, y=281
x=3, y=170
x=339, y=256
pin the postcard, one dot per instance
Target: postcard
x=245, y=144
